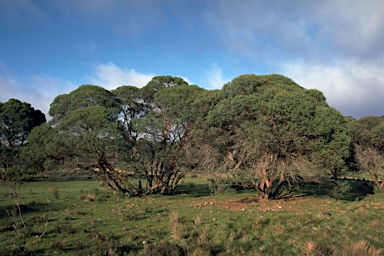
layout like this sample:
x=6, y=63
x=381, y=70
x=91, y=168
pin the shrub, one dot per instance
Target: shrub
x=340, y=189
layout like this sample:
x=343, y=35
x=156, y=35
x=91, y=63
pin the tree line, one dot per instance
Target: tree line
x=262, y=131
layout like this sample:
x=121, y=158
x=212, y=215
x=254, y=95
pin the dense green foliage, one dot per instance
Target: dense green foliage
x=264, y=131
x=271, y=128
x=17, y=119
x=368, y=135
x=124, y=134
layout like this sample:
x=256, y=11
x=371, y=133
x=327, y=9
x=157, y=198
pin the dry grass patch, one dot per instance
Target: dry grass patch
x=177, y=228
x=314, y=249
x=361, y=248
x=375, y=223
x=90, y=198
x=361, y=210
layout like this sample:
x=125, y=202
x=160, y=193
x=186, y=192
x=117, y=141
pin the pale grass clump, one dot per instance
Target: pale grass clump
x=177, y=228
x=201, y=244
x=199, y=252
x=311, y=246
x=361, y=248
x=314, y=249
x=204, y=235
x=90, y=198
x=198, y=220
x=375, y=223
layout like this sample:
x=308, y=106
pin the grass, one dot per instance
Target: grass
x=85, y=218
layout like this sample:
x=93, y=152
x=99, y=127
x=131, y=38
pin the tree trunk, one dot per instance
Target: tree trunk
x=265, y=186
x=279, y=186
x=375, y=179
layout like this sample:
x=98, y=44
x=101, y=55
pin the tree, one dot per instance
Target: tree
x=336, y=154
x=364, y=129
x=17, y=119
x=127, y=133
x=36, y=155
x=83, y=97
x=271, y=129
x=372, y=161
x=157, y=83
x=91, y=139
x=368, y=134
x=164, y=131
x=88, y=135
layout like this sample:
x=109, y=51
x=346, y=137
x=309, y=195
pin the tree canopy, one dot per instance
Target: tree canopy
x=17, y=119
x=271, y=128
x=266, y=130
x=368, y=136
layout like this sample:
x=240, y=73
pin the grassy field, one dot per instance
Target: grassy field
x=84, y=218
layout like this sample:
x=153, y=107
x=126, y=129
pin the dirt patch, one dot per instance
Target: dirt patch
x=248, y=200
x=235, y=206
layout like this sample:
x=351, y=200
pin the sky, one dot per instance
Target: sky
x=51, y=47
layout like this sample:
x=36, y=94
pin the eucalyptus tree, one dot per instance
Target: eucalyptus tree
x=271, y=129
x=368, y=134
x=125, y=133
x=36, y=155
x=17, y=119
x=164, y=131
x=87, y=135
x=83, y=97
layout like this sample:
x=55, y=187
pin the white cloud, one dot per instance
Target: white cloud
x=39, y=90
x=301, y=29
x=214, y=77
x=111, y=76
x=353, y=88
x=339, y=45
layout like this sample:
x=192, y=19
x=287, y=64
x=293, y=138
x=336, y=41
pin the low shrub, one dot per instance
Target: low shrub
x=340, y=189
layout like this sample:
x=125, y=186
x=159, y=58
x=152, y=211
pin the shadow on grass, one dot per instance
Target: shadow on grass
x=193, y=190
x=359, y=190
x=127, y=249
x=33, y=207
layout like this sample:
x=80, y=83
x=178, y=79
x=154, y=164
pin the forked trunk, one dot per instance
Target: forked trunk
x=266, y=186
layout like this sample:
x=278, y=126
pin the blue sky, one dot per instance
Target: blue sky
x=50, y=47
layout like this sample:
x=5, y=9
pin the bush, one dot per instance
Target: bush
x=340, y=189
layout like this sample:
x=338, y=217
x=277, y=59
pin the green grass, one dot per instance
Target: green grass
x=85, y=218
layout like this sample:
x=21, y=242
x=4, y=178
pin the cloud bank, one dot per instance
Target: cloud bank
x=334, y=46
x=111, y=76
x=39, y=90
x=214, y=77
x=351, y=88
